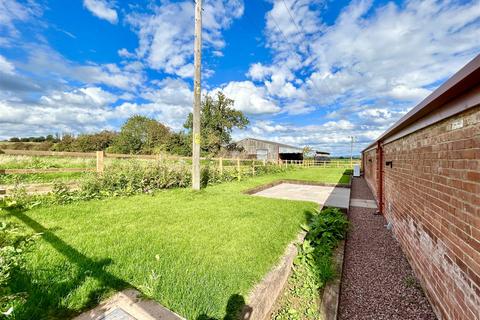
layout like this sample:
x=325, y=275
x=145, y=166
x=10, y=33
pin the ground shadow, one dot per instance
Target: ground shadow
x=346, y=172
x=47, y=296
x=236, y=309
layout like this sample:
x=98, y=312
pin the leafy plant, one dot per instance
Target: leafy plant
x=313, y=266
x=18, y=198
x=14, y=241
x=61, y=194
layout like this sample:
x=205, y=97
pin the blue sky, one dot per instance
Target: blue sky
x=305, y=72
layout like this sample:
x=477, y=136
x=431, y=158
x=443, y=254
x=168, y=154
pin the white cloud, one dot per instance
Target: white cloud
x=47, y=62
x=403, y=92
x=124, y=53
x=249, y=98
x=6, y=66
x=261, y=127
x=258, y=71
x=166, y=36
x=390, y=52
x=10, y=11
x=102, y=9
x=91, y=109
x=368, y=67
x=90, y=96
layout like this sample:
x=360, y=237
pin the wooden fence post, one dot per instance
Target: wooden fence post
x=238, y=168
x=264, y=162
x=2, y=191
x=100, y=163
x=220, y=165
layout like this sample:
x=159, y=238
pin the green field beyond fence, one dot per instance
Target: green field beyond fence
x=24, y=166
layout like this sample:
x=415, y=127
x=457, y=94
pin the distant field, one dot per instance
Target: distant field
x=25, y=145
x=28, y=162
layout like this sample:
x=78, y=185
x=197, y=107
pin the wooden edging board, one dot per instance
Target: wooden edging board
x=331, y=292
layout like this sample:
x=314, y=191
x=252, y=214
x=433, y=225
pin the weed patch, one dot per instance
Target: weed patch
x=313, y=266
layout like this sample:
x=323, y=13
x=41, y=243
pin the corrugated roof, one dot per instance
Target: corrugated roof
x=463, y=80
x=272, y=142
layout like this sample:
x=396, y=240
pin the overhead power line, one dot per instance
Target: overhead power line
x=299, y=29
x=291, y=16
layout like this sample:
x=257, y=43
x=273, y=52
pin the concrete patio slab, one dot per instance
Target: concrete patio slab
x=128, y=305
x=323, y=195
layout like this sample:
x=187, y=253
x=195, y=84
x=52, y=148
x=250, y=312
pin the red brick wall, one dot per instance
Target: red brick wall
x=370, y=172
x=432, y=198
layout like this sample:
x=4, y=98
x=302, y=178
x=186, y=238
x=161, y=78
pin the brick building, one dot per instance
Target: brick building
x=425, y=174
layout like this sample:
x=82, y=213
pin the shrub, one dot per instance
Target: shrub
x=61, y=194
x=128, y=177
x=323, y=233
x=18, y=198
x=313, y=266
x=14, y=241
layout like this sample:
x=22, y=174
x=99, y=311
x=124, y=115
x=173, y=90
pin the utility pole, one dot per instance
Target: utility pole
x=197, y=96
x=351, y=150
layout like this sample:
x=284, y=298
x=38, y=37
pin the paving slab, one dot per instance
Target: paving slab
x=128, y=305
x=327, y=196
x=362, y=203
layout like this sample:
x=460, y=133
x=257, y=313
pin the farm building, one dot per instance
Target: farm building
x=425, y=174
x=322, y=156
x=269, y=150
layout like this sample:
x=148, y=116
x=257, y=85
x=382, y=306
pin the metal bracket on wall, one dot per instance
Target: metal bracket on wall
x=389, y=164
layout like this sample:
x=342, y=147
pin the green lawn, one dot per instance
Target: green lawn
x=328, y=175
x=191, y=251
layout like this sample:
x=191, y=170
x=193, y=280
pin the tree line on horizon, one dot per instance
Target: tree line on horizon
x=144, y=135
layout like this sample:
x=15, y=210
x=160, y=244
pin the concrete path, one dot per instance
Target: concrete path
x=377, y=281
x=323, y=195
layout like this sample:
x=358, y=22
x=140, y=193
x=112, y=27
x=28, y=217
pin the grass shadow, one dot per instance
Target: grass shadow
x=236, y=309
x=48, y=290
x=346, y=177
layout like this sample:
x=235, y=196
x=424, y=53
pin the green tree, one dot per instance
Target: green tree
x=218, y=118
x=180, y=144
x=65, y=144
x=95, y=141
x=140, y=134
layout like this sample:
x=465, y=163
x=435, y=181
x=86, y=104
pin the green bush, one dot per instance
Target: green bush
x=323, y=233
x=14, y=241
x=131, y=177
x=128, y=177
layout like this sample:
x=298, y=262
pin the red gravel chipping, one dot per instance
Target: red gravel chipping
x=377, y=280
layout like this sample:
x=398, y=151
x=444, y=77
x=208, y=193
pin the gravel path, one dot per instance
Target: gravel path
x=377, y=282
